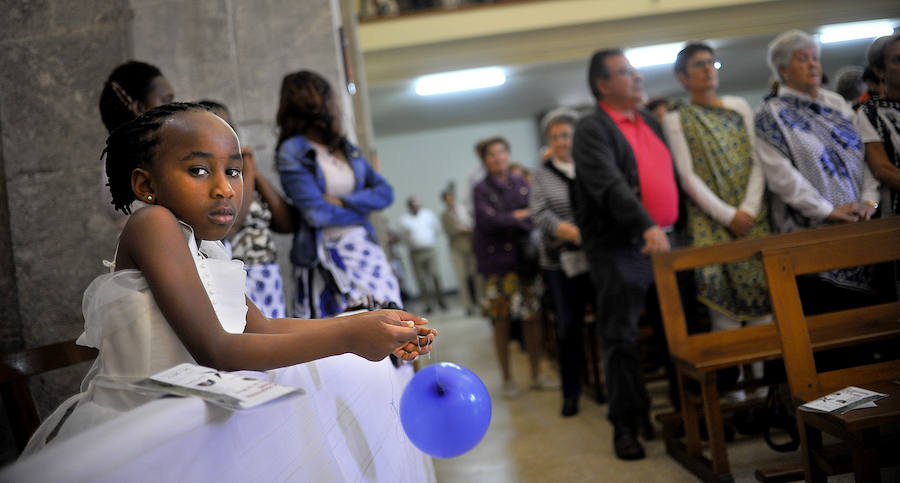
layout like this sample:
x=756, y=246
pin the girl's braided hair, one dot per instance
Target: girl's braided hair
x=132, y=145
x=128, y=83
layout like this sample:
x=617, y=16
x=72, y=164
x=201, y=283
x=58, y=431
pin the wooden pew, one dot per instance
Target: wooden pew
x=698, y=356
x=15, y=370
x=859, y=429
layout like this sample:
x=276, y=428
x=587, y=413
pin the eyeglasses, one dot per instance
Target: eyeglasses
x=626, y=72
x=701, y=64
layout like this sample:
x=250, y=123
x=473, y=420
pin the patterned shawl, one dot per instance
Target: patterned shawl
x=823, y=146
x=722, y=157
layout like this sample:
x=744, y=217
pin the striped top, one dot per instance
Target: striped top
x=550, y=204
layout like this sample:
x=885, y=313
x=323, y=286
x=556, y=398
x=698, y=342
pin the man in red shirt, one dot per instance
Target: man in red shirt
x=626, y=199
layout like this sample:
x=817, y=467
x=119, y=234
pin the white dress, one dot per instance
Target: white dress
x=135, y=341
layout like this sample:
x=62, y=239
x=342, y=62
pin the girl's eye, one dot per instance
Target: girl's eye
x=233, y=172
x=198, y=171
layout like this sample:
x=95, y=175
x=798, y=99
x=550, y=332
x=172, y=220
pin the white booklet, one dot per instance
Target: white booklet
x=846, y=399
x=230, y=390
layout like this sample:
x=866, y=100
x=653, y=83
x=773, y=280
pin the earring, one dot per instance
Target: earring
x=149, y=197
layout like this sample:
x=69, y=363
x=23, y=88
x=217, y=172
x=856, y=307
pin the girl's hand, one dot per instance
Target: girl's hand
x=411, y=350
x=377, y=334
x=424, y=336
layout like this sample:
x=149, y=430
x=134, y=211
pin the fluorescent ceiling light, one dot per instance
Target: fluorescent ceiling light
x=653, y=55
x=460, y=80
x=855, y=30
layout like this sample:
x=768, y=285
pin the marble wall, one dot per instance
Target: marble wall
x=56, y=55
x=54, y=227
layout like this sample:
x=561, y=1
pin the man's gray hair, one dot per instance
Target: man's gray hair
x=782, y=48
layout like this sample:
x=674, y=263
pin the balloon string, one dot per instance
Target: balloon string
x=394, y=404
x=437, y=380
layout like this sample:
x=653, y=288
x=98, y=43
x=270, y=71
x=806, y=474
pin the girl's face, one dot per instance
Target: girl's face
x=496, y=158
x=196, y=173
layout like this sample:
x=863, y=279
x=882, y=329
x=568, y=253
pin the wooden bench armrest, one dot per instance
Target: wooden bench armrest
x=30, y=362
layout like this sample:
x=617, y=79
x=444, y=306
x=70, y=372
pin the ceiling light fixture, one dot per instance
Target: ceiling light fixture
x=855, y=31
x=460, y=80
x=653, y=55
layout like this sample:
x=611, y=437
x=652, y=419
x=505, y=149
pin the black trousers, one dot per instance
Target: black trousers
x=623, y=279
x=570, y=297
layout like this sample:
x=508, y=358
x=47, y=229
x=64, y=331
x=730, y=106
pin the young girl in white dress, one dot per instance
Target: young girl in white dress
x=172, y=296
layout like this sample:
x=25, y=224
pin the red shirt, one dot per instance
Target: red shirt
x=659, y=192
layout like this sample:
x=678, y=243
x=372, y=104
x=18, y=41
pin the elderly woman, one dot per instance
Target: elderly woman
x=502, y=226
x=813, y=160
x=878, y=122
x=562, y=261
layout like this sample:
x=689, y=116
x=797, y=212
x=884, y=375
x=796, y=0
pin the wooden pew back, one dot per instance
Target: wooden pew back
x=710, y=351
x=17, y=367
x=797, y=332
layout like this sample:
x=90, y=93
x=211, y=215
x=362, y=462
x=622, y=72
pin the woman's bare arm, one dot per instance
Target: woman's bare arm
x=284, y=215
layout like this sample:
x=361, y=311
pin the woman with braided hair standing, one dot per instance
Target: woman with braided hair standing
x=131, y=89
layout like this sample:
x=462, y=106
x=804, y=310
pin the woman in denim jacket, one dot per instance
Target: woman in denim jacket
x=337, y=262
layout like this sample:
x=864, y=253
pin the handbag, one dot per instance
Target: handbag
x=573, y=262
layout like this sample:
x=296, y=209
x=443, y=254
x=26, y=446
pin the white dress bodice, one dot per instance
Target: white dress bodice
x=123, y=321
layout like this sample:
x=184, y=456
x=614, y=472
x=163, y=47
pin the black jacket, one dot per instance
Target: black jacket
x=606, y=195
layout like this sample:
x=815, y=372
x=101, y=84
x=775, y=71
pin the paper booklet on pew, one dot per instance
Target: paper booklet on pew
x=846, y=399
x=226, y=389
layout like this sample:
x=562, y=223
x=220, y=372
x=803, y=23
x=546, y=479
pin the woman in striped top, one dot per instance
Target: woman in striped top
x=563, y=263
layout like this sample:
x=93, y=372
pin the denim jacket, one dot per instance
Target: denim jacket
x=304, y=183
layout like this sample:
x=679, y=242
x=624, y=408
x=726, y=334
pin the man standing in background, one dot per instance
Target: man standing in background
x=458, y=226
x=625, y=199
x=420, y=229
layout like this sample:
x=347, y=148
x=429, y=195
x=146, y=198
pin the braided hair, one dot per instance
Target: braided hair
x=128, y=83
x=132, y=145
x=305, y=105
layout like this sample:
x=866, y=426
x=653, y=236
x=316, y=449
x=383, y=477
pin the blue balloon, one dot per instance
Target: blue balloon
x=445, y=410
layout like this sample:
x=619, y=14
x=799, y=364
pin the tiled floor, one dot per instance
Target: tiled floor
x=528, y=441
